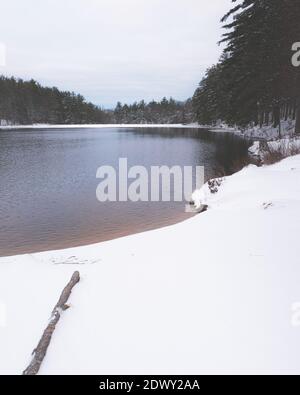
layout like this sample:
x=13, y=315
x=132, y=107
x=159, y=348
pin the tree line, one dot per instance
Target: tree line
x=166, y=111
x=27, y=102
x=254, y=81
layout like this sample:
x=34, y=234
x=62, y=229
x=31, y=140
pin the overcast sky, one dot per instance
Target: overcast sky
x=112, y=50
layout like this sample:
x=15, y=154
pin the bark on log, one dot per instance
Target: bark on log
x=41, y=349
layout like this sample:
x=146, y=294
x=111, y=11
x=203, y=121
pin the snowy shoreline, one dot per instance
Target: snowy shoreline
x=102, y=126
x=262, y=133
x=210, y=128
x=213, y=294
x=265, y=132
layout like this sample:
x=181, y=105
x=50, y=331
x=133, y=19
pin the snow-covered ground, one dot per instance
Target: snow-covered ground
x=262, y=150
x=100, y=126
x=218, y=293
x=255, y=132
x=266, y=132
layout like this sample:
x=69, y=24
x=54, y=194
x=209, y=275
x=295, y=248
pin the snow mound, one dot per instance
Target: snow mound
x=283, y=148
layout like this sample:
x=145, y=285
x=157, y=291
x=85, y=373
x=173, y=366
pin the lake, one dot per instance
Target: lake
x=48, y=181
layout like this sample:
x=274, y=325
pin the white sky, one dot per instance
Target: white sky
x=110, y=50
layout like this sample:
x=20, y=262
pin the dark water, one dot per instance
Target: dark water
x=48, y=182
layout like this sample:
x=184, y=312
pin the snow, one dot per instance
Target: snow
x=100, y=126
x=214, y=294
x=255, y=132
x=269, y=132
x=285, y=147
x=265, y=132
x=255, y=150
x=224, y=128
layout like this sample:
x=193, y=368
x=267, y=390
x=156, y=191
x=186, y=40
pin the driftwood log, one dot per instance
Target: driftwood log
x=41, y=349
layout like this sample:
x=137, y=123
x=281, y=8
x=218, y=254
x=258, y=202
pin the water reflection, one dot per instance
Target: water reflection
x=48, y=181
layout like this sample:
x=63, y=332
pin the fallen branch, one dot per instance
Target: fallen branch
x=40, y=351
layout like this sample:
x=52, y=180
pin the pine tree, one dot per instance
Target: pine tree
x=27, y=102
x=255, y=77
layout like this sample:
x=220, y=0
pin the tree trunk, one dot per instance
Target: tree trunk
x=267, y=115
x=286, y=112
x=276, y=116
x=40, y=352
x=261, y=119
x=276, y=112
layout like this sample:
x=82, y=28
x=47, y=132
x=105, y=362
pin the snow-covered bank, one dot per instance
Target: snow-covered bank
x=272, y=151
x=269, y=132
x=101, y=126
x=278, y=142
x=214, y=294
x=265, y=132
x=224, y=129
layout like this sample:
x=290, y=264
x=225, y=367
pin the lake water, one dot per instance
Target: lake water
x=48, y=182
